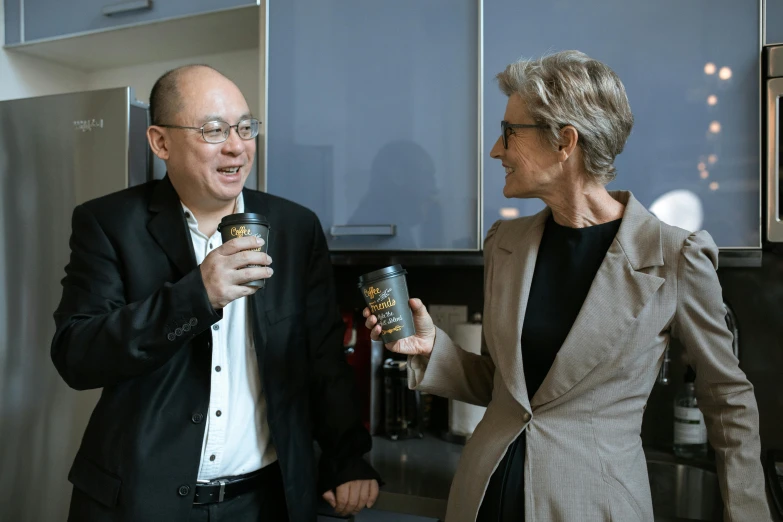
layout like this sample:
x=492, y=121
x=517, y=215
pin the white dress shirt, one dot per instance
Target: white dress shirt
x=236, y=436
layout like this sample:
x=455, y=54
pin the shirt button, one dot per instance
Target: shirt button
x=212, y=458
x=210, y=245
x=217, y=368
x=218, y=413
x=183, y=490
x=526, y=417
x=187, y=215
x=197, y=418
x=215, y=327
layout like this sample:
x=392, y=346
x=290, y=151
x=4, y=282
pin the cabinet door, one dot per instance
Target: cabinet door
x=691, y=71
x=373, y=119
x=52, y=18
x=774, y=22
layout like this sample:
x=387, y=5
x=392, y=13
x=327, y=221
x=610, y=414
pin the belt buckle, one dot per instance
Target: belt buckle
x=222, y=492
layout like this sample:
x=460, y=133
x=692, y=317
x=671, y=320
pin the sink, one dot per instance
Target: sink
x=683, y=489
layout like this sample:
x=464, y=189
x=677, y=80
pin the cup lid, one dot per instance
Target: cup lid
x=244, y=218
x=383, y=273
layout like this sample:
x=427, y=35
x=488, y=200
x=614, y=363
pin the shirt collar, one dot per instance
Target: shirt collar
x=192, y=221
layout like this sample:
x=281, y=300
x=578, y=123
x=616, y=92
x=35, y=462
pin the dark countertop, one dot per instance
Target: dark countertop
x=418, y=473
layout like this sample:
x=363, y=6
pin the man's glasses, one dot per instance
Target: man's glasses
x=508, y=129
x=218, y=131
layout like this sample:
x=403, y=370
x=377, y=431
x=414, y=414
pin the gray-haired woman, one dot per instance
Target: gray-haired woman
x=580, y=302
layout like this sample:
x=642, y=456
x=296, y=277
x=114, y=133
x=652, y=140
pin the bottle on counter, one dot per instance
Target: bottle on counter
x=690, y=432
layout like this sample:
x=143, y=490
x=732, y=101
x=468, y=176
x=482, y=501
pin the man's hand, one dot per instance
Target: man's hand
x=225, y=270
x=353, y=496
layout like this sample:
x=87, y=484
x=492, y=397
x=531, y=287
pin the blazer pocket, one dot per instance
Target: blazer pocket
x=97, y=483
x=618, y=513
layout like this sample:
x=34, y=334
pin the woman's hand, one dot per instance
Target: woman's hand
x=419, y=344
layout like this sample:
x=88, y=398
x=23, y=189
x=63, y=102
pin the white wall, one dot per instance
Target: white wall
x=22, y=76
x=242, y=67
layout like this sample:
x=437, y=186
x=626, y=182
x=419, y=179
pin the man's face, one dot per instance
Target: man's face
x=208, y=175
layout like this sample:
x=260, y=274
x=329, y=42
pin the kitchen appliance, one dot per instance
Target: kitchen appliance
x=55, y=152
x=773, y=100
x=403, y=412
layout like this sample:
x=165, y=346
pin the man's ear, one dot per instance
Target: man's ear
x=159, y=141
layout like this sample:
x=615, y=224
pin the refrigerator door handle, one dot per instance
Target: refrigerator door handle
x=774, y=108
x=363, y=230
x=126, y=7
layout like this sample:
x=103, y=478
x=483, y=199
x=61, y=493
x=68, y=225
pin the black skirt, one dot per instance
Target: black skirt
x=504, y=500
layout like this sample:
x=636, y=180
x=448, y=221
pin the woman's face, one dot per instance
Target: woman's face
x=532, y=167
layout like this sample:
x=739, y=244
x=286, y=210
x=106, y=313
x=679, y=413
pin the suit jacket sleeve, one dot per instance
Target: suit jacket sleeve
x=725, y=396
x=337, y=423
x=450, y=371
x=100, y=339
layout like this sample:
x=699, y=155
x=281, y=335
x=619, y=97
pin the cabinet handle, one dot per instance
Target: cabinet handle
x=774, y=171
x=126, y=7
x=363, y=230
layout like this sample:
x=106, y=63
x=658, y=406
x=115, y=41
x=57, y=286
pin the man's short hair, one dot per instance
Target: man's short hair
x=165, y=99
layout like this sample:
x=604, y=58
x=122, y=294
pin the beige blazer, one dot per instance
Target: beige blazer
x=584, y=459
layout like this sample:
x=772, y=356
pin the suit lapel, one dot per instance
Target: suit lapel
x=616, y=297
x=169, y=228
x=514, y=263
x=257, y=302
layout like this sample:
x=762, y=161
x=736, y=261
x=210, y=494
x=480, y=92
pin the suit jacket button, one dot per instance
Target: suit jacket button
x=178, y=331
x=197, y=418
x=526, y=417
x=193, y=321
x=171, y=336
x=183, y=490
x=186, y=327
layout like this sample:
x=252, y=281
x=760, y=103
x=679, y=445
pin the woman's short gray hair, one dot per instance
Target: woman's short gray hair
x=570, y=88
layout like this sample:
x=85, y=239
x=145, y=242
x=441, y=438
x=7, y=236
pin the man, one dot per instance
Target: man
x=212, y=390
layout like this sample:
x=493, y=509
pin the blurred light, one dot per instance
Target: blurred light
x=509, y=213
x=679, y=208
x=709, y=68
x=712, y=99
x=702, y=166
x=715, y=127
x=724, y=73
x=712, y=158
x=714, y=185
x=705, y=174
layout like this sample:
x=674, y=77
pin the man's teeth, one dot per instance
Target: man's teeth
x=229, y=171
x=509, y=170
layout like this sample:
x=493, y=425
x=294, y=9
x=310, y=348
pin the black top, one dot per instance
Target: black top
x=568, y=259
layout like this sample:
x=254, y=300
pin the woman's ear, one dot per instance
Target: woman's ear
x=569, y=137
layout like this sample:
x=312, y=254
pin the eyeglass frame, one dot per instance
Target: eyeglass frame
x=504, y=126
x=225, y=138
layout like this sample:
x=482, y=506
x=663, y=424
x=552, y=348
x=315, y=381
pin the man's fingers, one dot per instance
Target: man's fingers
x=373, y=493
x=355, y=492
x=251, y=273
x=364, y=495
x=329, y=497
x=238, y=244
x=248, y=257
x=341, y=498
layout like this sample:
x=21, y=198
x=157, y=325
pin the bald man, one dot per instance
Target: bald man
x=213, y=391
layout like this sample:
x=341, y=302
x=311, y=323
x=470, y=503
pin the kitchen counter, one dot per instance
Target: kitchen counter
x=418, y=473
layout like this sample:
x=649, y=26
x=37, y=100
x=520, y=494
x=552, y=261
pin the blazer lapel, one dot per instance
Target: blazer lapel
x=616, y=297
x=257, y=302
x=514, y=262
x=169, y=228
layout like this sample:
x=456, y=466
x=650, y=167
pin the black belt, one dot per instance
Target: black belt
x=221, y=489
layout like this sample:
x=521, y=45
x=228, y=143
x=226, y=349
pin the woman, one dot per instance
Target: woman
x=580, y=302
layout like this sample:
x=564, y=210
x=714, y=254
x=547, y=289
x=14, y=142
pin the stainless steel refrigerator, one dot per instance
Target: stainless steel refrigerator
x=55, y=152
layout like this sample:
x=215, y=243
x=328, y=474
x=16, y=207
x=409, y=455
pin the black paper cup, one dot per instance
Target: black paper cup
x=246, y=224
x=386, y=293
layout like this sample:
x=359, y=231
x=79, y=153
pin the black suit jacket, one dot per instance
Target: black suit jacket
x=135, y=320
